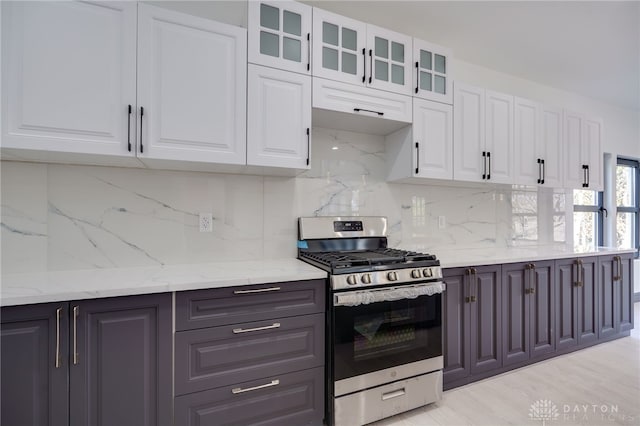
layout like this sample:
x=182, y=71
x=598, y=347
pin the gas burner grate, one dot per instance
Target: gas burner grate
x=380, y=256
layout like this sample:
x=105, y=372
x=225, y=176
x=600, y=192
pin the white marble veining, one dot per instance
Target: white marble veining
x=22, y=289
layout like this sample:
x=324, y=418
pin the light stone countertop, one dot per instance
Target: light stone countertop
x=22, y=289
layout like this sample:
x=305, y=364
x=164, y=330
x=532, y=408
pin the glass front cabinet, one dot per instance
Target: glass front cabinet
x=432, y=72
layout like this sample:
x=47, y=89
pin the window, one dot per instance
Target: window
x=628, y=203
x=587, y=219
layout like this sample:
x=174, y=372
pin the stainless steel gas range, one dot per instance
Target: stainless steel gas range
x=384, y=319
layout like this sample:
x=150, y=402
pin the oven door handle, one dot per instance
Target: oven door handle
x=365, y=297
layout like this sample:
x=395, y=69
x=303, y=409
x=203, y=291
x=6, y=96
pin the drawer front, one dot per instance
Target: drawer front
x=233, y=305
x=365, y=101
x=219, y=356
x=288, y=399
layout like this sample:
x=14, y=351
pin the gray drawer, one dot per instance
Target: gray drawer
x=288, y=399
x=233, y=305
x=213, y=357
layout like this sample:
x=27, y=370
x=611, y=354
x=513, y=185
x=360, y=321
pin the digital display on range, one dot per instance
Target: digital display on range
x=347, y=225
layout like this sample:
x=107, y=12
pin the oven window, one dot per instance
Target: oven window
x=376, y=336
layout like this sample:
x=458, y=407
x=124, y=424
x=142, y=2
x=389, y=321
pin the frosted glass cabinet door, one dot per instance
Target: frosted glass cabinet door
x=338, y=47
x=280, y=35
x=433, y=133
x=68, y=76
x=279, y=118
x=388, y=60
x=192, y=86
x=432, y=72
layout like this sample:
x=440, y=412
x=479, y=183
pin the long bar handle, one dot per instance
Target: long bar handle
x=544, y=171
x=249, y=330
x=58, y=314
x=489, y=160
x=578, y=282
x=364, y=65
x=484, y=165
x=417, y=158
x=259, y=290
x=141, y=125
x=308, y=51
x=380, y=113
x=474, y=297
x=275, y=382
x=539, y=170
x=129, y=129
x=308, y=145
x=370, y=66
x=76, y=311
x=467, y=299
x=417, y=76
x=619, y=267
x=393, y=394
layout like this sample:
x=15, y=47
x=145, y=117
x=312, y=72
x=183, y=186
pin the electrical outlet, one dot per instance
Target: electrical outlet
x=206, y=222
x=442, y=222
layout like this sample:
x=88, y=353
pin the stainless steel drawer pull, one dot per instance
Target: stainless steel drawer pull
x=393, y=394
x=275, y=382
x=248, y=330
x=259, y=290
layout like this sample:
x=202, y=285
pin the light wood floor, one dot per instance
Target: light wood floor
x=607, y=375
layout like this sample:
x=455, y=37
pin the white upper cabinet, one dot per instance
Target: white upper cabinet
x=432, y=72
x=69, y=77
x=538, y=144
x=280, y=35
x=583, y=152
x=483, y=135
x=433, y=135
x=278, y=118
x=191, y=88
x=357, y=53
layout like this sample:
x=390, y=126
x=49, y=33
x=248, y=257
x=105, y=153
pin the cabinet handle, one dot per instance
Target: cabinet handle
x=588, y=176
x=249, y=330
x=129, y=129
x=544, y=172
x=532, y=290
x=275, y=382
x=364, y=65
x=308, y=51
x=417, y=76
x=58, y=314
x=619, y=265
x=76, y=310
x=370, y=66
x=578, y=263
x=484, y=164
x=141, y=115
x=417, y=157
x=584, y=175
x=369, y=110
x=527, y=291
x=467, y=299
x=539, y=171
x=489, y=159
x=474, y=271
x=393, y=394
x=259, y=290
x=308, y=146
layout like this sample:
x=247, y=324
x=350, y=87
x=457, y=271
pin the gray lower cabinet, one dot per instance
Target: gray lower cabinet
x=92, y=362
x=528, y=311
x=577, y=305
x=34, y=348
x=251, y=355
x=472, y=321
x=615, y=276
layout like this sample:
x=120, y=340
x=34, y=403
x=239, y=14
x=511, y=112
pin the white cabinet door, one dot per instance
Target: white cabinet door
x=527, y=158
x=432, y=72
x=499, y=137
x=388, y=60
x=338, y=47
x=278, y=118
x=433, y=135
x=280, y=35
x=551, y=146
x=191, y=88
x=592, y=152
x=574, y=170
x=68, y=76
x=469, y=133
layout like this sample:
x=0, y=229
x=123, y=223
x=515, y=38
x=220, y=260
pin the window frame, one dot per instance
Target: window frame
x=599, y=210
x=635, y=209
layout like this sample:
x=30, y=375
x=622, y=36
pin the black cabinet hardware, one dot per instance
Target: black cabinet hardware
x=308, y=146
x=369, y=110
x=129, y=129
x=370, y=66
x=417, y=76
x=417, y=157
x=141, y=115
x=544, y=172
x=364, y=64
x=489, y=160
x=484, y=164
x=308, y=51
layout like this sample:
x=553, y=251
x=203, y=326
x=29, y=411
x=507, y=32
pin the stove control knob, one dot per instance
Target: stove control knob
x=366, y=279
x=416, y=273
x=427, y=273
x=352, y=280
x=392, y=276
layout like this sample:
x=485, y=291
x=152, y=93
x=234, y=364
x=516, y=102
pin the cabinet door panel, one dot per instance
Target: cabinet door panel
x=123, y=371
x=486, y=320
x=433, y=131
x=515, y=314
x=624, y=315
x=542, y=309
x=455, y=322
x=588, y=303
x=192, y=86
x=34, y=390
x=573, y=172
x=431, y=81
x=499, y=137
x=592, y=152
x=279, y=118
x=469, y=136
x=527, y=139
x=551, y=146
x=388, y=60
x=68, y=76
x=566, y=305
x=607, y=322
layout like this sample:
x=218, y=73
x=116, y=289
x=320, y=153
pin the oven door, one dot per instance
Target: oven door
x=385, y=328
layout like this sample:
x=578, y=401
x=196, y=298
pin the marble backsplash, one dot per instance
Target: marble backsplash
x=62, y=217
